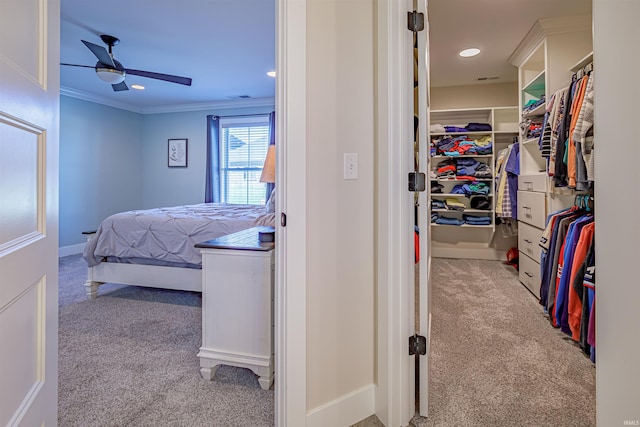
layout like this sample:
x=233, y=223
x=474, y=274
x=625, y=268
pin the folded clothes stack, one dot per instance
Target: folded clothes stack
x=480, y=202
x=454, y=204
x=470, y=127
x=438, y=204
x=476, y=220
x=443, y=220
x=436, y=188
x=462, y=145
x=471, y=189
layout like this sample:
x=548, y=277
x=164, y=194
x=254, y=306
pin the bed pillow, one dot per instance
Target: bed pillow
x=270, y=206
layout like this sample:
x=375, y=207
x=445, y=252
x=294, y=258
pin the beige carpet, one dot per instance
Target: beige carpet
x=129, y=359
x=495, y=359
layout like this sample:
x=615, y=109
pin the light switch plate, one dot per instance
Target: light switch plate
x=350, y=165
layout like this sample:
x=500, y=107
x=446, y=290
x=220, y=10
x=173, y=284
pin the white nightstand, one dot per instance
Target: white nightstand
x=237, y=304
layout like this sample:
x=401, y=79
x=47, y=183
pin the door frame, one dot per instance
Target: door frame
x=290, y=288
x=394, y=370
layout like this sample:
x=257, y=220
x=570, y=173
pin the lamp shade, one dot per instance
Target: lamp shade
x=269, y=168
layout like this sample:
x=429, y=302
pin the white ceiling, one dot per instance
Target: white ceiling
x=227, y=46
x=494, y=26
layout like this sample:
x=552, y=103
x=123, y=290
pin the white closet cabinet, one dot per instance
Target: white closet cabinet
x=470, y=241
x=544, y=59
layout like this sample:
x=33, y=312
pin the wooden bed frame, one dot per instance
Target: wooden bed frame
x=153, y=276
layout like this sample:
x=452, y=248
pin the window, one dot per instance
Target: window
x=243, y=148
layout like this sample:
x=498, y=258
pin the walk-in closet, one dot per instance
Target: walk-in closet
x=511, y=225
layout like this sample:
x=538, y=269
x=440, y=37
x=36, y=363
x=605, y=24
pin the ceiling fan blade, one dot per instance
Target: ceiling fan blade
x=78, y=65
x=120, y=87
x=159, y=76
x=101, y=53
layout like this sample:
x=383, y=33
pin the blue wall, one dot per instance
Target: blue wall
x=100, y=159
x=164, y=186
x=112, y=160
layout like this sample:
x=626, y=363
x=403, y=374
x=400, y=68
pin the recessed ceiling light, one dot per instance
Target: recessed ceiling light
x=137, y=87
x=472, y=51
x=271, y=73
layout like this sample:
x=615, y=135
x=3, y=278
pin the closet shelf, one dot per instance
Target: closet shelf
x=458, y=195
x=583, y=62
x=536, y=112
x=462, y=225
x=536, y=85
x=465, y=238
x=531, y=141
x=461, y=180
x=463, y=211
x=485, y=133
x=440, y=156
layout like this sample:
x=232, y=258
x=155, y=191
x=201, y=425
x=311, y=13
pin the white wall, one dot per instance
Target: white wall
x=616, y=33
x=100, y=158
x=340, y=285
x=474, y=96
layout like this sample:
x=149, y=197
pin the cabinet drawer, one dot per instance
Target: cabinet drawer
x=532, y=208
x=529, y=240
x=529, y=274
x=533, y=182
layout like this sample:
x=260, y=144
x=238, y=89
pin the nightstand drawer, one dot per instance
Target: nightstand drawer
x=532, y=208
x=529, y=240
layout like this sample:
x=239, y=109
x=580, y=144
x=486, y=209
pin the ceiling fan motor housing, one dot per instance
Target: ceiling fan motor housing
x=109, y=74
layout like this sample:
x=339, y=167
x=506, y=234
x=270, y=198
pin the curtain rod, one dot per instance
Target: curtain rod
x=239, y=115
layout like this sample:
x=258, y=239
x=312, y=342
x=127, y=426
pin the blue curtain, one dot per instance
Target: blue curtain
x=212, y=185
x=272, y=141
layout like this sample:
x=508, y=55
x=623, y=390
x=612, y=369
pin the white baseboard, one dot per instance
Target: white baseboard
x=70, y=250
x=345, y=410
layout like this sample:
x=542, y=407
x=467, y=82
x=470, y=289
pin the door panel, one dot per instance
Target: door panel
x=19, y=148
x=29, y=116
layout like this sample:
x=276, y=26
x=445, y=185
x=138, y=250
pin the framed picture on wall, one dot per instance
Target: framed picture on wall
x=177, y=153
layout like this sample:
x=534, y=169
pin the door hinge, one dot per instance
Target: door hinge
x=283, y=219
x=415, y=21
x=417, y=345
x=416, y=181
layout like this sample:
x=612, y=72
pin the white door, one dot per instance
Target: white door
x=29, y=107
x=423, y=315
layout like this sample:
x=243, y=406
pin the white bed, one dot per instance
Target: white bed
x=156, y=247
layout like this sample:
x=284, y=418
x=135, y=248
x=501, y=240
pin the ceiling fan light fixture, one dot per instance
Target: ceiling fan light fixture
x=111, y=76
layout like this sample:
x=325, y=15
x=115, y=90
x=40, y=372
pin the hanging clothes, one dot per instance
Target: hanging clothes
x=567, y=265
x=506, y=181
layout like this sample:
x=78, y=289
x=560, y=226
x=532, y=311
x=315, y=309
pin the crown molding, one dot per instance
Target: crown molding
x=86, y=96
x=177, y=108
x=214, y=105
x=547, y=27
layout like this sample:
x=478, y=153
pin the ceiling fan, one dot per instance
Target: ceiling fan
x=111, y=71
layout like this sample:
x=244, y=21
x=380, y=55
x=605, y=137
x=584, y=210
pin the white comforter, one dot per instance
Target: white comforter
x=168, y=235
